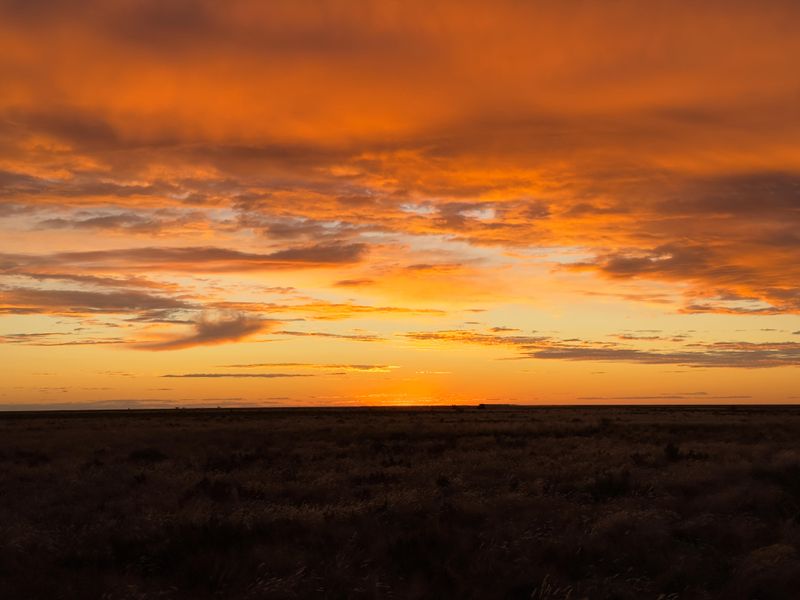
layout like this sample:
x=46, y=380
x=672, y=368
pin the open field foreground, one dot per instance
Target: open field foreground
x=616, y=502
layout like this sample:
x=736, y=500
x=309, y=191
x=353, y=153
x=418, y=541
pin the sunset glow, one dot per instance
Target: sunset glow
x=348, y=202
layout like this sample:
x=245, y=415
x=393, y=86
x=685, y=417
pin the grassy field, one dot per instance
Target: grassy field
x=613, y=502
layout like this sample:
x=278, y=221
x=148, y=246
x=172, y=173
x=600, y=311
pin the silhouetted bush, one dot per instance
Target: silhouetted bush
x=609, y=484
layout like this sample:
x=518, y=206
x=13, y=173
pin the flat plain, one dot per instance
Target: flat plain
x=454, y=502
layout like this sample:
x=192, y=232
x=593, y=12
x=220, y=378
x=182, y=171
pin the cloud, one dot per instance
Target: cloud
x=149, y=222
x=355, y=337
x=357, y=368
x=99, y=281
x=353, y=282
x=433, y=267
x=18, y=300
x=330, y=311
x=195, y=258
x=57, y=338
x=698, y=354
x=211, y=330
x=237, y=375
x=22, y=338
x=474, y=337
x=630, y=337
x=724, y=278
x=9, y=210
x=321, y=254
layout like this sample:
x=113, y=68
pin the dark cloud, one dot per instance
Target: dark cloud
x=327, y=311
x=321, y=254
x=721, y=308
x=537, y=210
x=56, y=339
x=437, y=267
x=193, y=258
x=165, y=316
x=13, y=184
x=31, y=188
x=723, y=278
x=743, y=194
x=356, y=337
x=632, y=337
x=84, y=342
x=367, y=368
x=147, y=222
x=293, y=229
x=211, y=330
x=18, y=300
x=272, y=364
x=585, y=209
x=8, y=209
x=105, y=282
x=717, y=354
x=237, y=375
x=288, y=228
x=23, y=338
x=455, y=215
x=474, y=337
x=681, y=262
x=747, y=356
x=80, y=127
x=353, y=282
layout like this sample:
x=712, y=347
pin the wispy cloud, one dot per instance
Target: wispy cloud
x=365, y=368
x=698, y=354
x=211, y=330
x=237, y=375
x=356, y=337
x=58, y=338
x=18, y=300
x=192, y=258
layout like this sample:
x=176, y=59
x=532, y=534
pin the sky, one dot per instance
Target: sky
x=352, y=202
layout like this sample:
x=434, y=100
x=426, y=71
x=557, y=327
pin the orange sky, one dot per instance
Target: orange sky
x=363, y=202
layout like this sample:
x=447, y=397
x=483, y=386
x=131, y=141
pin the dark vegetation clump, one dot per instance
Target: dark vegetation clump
x=496, y=503
x=147, y=456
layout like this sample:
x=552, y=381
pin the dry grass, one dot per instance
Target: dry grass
x=539, y=503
